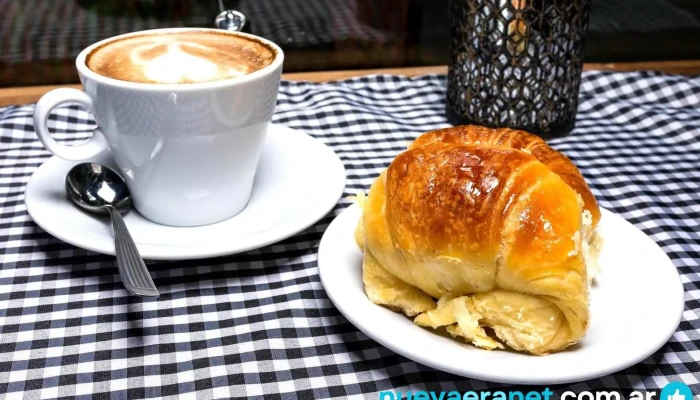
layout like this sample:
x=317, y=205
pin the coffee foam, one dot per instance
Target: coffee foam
x=185, y=57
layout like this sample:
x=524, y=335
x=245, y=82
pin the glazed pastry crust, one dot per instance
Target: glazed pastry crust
x=491, y=223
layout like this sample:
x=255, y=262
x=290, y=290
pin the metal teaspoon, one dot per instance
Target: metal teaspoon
x=100, y=190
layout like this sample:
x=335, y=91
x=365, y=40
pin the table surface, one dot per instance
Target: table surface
x=259, y=324
x=31, y=94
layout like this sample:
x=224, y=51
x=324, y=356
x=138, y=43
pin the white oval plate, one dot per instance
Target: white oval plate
x=298, y=181
x=636, y=306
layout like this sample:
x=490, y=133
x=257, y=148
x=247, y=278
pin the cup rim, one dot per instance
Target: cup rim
x=84, y=71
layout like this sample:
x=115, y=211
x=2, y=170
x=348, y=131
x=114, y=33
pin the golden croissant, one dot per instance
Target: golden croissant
x=474, y=228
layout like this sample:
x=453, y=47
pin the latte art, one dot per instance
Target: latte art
x=189, y=57
x=176, y=65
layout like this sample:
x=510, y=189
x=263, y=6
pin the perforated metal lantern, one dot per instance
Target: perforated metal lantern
x=516, y=63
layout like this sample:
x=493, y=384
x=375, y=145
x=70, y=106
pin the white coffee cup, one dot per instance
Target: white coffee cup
x=188, y=152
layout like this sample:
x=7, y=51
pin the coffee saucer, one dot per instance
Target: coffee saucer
x=298, y=181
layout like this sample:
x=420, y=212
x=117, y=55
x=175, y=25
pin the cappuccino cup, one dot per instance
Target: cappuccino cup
x=183, y=113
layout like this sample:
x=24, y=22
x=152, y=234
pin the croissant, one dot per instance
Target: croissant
x=496, y=226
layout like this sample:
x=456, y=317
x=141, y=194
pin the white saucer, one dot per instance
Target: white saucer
x=636, y=306
x=298, y=181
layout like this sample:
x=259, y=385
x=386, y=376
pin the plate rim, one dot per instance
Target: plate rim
x=421, y=358
x=150, y=251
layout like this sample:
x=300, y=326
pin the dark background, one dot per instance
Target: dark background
x=39, y=39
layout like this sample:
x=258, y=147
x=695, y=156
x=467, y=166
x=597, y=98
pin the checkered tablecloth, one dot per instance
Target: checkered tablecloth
x=40, y=30
x=259, y=324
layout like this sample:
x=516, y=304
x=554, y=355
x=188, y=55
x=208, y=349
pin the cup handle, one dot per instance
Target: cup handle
x=46, y=104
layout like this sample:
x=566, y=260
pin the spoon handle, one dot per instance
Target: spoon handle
x=132, y=269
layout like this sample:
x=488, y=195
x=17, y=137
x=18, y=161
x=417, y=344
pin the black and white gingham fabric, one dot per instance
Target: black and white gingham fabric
x=259, y=324
x=639, y=16
x=303, y=23
x=40, y=30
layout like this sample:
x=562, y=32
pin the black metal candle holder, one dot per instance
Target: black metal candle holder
x=516, y=63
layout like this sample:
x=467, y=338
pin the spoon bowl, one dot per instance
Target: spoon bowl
x=93, y=187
